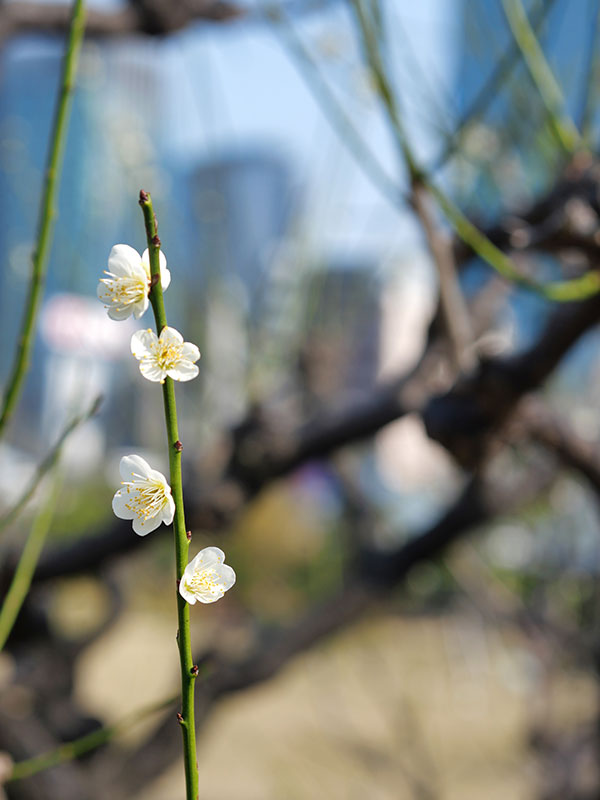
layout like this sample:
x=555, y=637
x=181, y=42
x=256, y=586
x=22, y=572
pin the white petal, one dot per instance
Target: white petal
x=142, y=342
x=143, y=526
x=155, y=475
x=170, y=336
x=119, y=314
x=183, y=371
x=140, y=307
x=124, y=260
x=165, y=275
x=209, y=597
x=134, y=465
x=103, y=293
x=168, y=512
x=227, y=575
x=151, y=371
x=190, y=352
x=118, y=505
x=208, y=557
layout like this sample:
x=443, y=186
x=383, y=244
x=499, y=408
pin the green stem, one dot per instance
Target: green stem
x=562, y=126
x=188, y=670
x=47, y=214
x=333, y=110
x=46, y=465
x=575, y=289
x=83, y=745
x=384, y=87
x=490, y=88
x=590, y=82
x=21, y=581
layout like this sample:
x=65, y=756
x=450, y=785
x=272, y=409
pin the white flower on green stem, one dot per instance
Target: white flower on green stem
x=145, y=497
x=206, y=578
x=164, y=355
x=124, y=290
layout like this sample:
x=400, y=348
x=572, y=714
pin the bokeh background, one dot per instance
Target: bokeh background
x=416, y=542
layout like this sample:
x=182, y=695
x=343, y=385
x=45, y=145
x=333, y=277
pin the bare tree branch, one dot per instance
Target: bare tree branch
x=149, y=18
x=375, y=575
x=554, y=434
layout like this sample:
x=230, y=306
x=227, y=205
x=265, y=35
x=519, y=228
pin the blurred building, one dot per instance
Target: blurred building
x=340, y=354
x=109, y=156
x=241, y=209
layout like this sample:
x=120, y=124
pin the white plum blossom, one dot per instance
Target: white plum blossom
x=124, y=290
x=164, y=355
x=206, y=577
x=145, y=497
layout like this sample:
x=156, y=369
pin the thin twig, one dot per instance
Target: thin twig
x=46, y=465
x=550, y=92
x=575, y=289
x=85, y=744
x=188, y=671
x=452, y=301
x=27, y=563
x=339, y=120
x=490, y=89
x=567, y=290
x=453, y=304
x=47, y=214
x=590, y=81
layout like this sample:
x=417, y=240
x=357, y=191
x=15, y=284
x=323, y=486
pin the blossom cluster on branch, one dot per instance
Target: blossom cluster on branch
x=145, y=496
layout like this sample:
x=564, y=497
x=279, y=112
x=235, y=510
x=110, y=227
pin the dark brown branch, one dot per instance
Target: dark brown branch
x=554, y=434
x=139, y=17
x=149, y=18
x=252, y=466
x=377, y=574
x=465, y=419
x=566, y=218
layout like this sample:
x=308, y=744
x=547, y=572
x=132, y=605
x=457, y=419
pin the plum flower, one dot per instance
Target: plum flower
x=164, y=355
x=145, y=497
x=124, y=290
x=206, y=578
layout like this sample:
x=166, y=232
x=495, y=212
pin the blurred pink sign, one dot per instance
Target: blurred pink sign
x=79, y=325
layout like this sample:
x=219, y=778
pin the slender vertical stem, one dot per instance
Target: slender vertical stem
x=47, y=214
x=454, y=307
x=21, y=581
x=188, y=670
x=590, y=82
x=452, y=301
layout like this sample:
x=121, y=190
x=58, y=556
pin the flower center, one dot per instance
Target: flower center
x=124, y=290
x=167, y=354
x=204, y=581
x=146, y=497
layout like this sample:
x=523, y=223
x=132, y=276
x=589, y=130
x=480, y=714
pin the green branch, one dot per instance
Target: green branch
x=561, y=124
x=590, y=81
x=21, y=581
x=79, y=747
x=46, y=465
x=490, y=88
x=576, y=289
x=188, y=670
x=47, y=214
x=332, y=109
